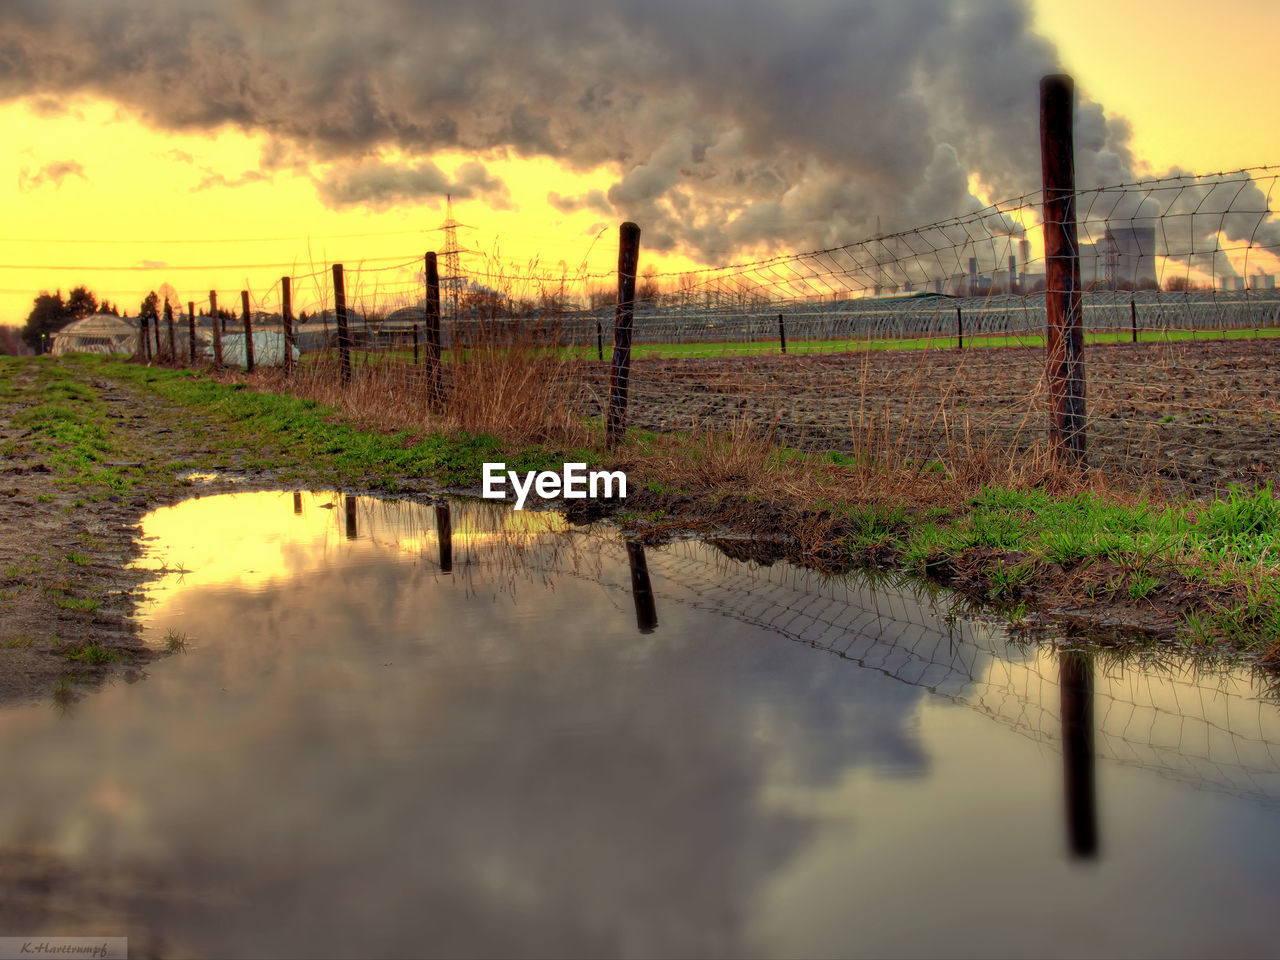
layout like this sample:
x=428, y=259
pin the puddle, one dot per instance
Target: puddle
x=402, y=730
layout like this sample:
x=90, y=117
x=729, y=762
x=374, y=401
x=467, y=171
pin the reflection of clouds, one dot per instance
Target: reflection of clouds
x=495, y=769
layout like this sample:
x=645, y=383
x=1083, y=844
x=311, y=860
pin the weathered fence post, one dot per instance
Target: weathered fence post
x=344, y=334
x=1065, y=334
x=217, y=328
x=620, y=369
x=191, y=331
x=168, y=316
x=144, y=338
x=156, y=326
x=1133, y=318
x=248, y=332
x=415, y=344
x=431, y=326
x=286, y=319
x=960, y=329
x=599, y=340
x=782, y=335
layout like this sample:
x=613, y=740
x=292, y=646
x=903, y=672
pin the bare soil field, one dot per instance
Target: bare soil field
x=1194, y=417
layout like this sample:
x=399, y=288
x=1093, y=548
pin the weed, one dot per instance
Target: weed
x=175, y=642
x=93, y=654
x=83, y=604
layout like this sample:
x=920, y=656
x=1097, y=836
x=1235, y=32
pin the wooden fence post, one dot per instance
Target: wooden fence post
x=217, y=328
x=248, y=332
x=620, y=368
x=959, y=329
x=599, y=340
x=144, y=338
x=431, y=327
x=191, y=331
x=1133, y=318
x=344, y=334
x=415, y=344
x=168, y=316
x=286, y=318
x=1065, y=334
x=782, y=335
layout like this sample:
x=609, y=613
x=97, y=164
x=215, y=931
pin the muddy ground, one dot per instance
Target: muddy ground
x=1194, y=417
x=65, y=552
x=66, y=548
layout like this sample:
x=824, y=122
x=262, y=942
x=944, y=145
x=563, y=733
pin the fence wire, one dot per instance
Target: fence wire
x=930, y=341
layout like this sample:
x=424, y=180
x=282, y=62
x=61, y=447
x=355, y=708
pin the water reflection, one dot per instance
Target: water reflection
x=349, y=503
x=641, y=590
x=497, y=762
x=1076, y=683
x=444, y=538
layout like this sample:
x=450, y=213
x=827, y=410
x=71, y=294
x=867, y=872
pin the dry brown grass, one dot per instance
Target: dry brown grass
x=521, y=391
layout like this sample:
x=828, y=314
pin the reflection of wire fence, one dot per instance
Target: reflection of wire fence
x=1211, y=730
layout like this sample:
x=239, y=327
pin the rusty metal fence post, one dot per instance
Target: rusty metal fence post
x=620, y=368
x=1064, y=334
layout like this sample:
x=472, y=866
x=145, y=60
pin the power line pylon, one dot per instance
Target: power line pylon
x=452, y=279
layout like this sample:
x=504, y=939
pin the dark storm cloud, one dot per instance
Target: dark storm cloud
x=50, y=173
x=734, y=122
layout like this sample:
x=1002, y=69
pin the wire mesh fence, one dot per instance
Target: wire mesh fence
x=929, y=342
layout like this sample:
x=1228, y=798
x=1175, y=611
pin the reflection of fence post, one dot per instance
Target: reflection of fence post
x=444, y=537
x=959, y=329
x=217, y=332
x=431, y=327
x=620, y=368
x=297, y=502
x=782, y=335
x=641, y=589
x=191, y=331
x=1065, y=335
x=349, y=504
x=248, y=332
x=1075, y=681
x=286, y=320
x=168, y=318
x=344, y=333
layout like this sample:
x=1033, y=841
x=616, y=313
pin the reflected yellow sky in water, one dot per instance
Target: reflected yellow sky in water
x=259, y=538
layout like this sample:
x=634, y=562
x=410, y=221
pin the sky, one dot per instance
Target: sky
x=213, y=145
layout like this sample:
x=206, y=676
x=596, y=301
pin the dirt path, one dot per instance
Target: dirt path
x=67, y=589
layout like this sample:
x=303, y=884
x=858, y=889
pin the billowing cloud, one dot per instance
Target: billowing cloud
x=51, y=173
x=379, y=184
x=593, y=200
x=733, y=124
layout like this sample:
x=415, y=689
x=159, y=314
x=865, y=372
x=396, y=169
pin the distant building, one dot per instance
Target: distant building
x=1130, y=257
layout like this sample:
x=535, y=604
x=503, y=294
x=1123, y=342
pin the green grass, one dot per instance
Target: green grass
x=83, y=604
x=694, y=351
x=93, y=654
x=308, y=438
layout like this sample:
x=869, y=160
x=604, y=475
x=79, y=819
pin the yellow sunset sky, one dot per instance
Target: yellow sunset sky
x=93, y=193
